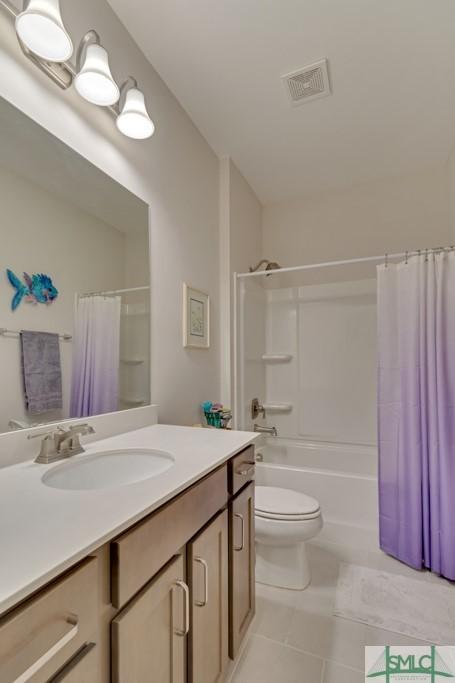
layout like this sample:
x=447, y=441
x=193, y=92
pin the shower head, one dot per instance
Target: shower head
x=269, y=265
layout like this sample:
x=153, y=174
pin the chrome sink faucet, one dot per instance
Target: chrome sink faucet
x=61, y=443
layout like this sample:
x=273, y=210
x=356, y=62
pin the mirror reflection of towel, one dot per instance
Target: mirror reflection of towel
x=42, y=371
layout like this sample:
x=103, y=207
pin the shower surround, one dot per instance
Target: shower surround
x=309, y=354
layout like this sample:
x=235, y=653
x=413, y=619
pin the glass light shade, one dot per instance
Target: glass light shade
x=134, y=121
x=94, y=82
x=40, y=28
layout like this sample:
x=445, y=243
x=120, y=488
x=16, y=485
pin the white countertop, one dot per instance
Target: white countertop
x=44, y=531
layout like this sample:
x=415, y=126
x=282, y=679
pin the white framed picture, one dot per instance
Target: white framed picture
x=196, y=318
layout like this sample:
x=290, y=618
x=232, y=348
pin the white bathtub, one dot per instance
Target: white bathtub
x=343, y=478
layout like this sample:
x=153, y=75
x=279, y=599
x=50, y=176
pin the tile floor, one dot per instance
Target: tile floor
x=296, y=639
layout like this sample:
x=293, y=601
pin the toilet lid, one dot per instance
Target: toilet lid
x=273, y=502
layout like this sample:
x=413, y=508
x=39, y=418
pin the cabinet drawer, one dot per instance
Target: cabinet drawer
x=41, y=635
x=140, y=553
x=241, y=470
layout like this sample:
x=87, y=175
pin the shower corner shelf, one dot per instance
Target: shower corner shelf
x=277, y=357
x=278, y=407
x=132, y=361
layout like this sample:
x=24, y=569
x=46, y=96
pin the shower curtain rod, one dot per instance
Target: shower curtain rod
x=115, y=291
x=328, y=264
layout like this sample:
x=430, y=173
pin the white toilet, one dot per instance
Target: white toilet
x=285, y=519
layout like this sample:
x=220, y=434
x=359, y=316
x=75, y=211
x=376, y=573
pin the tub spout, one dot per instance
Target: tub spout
x=266, y=430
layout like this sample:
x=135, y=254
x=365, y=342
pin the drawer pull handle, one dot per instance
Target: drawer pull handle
x=206, y=582
x=186, y=592
x=246, y=471
x=242, y=543
x=47, y=656
x=73, y=663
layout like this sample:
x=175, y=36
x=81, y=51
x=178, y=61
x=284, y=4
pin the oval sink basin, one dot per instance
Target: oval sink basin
x=108, y=469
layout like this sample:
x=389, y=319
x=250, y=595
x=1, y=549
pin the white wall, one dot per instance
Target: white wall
x=451, y=191
x=240, y=247
x=175, y=172
x=366, y=220
x=42, y=233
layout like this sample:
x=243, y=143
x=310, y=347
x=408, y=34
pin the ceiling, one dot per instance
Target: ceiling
x=392, y=67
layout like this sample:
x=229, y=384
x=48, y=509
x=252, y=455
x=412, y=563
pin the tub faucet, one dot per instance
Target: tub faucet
x=256, y=409
x=266, y=430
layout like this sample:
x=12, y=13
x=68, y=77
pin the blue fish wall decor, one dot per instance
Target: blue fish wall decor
x=36, y=289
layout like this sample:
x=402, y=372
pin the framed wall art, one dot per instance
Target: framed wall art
x=196, y=318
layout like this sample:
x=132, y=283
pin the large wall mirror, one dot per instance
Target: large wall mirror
x=74, y=283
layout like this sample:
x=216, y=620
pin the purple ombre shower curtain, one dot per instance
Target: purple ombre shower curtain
x=416, y=411
x=96, y=356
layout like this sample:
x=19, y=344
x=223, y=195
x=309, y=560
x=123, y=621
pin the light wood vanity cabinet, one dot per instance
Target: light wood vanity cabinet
x=241, y=470
x=168, y=601
x=241, y=567
x=149, y=635
x=140, y=552
x=209, y=587
x=41, y=638
x=82, y=668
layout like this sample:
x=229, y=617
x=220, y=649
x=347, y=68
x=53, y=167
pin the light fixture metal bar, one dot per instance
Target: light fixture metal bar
x=9, y=8
x=58, y=72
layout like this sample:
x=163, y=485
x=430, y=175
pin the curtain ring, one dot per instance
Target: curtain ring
x=406, y=257
x=386, y=261
x=426, y=255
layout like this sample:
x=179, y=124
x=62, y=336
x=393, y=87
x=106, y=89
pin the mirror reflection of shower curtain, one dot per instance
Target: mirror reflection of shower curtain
x=96, y=356
x=416, y=327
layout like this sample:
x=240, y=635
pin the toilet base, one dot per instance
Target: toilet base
x=283, y=566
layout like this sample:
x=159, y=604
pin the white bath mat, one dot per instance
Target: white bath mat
x=417, y=608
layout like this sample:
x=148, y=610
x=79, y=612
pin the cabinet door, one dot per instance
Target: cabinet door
x=209, y=585
x=241, y=567
x=149, y=635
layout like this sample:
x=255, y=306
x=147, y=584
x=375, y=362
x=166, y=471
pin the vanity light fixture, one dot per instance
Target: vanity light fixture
x=134, y=120
x=94, y=81
x=46, y=43
x=40, y=27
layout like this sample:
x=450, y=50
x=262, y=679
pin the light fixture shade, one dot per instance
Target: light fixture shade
x=134, y=120
x=94, y=82
x=40, y=28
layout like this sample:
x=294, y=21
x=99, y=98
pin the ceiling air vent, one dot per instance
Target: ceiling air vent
x=308, y=83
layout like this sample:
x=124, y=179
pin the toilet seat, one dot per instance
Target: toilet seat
x=285, y=504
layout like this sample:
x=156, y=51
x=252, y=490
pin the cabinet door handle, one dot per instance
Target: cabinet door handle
x=186, y=611
x=73, y=663
x=47, y=656
x=245, y=471
x=242, y=544
x=206, y=582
